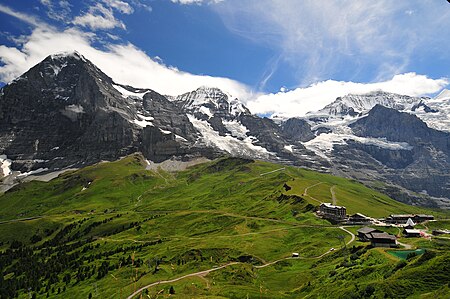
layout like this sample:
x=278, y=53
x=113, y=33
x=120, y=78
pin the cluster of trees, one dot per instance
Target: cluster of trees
x=68, y=258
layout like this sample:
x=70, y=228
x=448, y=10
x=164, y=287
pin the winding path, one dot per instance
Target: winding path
x=349, y=232
x=305, y=192
x=201, y=273
x=205, y=272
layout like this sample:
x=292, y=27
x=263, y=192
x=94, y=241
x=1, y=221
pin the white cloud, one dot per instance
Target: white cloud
x=299, y=101
x=98, y=17
x=322, y=38
x=59, y=11
x=121, y=6
x=125, y=63
x=187, y=2
x=21, y=16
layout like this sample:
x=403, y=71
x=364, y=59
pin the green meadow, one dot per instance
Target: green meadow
x=109, y=229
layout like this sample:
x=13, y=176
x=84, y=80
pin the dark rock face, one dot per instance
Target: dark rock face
x=402, y=127
x=61, y=109
x=297, y=129
x=425, y=167
x=65, y=111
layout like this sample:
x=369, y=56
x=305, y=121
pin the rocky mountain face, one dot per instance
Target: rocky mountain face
x=65, y=112
x=388, y=138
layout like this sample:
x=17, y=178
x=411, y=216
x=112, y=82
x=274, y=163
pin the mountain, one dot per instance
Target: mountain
x=353, y=105
x=390, y=138
x=65, y=112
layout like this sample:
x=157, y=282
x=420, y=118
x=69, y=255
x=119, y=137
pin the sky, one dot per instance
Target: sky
x=280, y=57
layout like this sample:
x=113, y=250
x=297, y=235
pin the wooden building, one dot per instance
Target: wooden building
x=327, y=210
x=383, y=240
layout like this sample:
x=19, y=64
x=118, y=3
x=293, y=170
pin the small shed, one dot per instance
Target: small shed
x=295, y=254
x=411, y=233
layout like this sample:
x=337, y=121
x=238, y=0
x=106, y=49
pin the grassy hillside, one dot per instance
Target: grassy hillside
x=111, y=228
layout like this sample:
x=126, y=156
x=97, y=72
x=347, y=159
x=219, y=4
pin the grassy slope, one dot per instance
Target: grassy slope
x=211, y=214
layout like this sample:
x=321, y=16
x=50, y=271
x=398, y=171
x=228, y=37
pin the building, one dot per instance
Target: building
x=402, y=219
x=383, y=240
x=399, y=219
x=438, y=232
x=364, y=234
x=376, y=237
x=422, y=217
x=359, y=218
x=327, y=210
x=411, y=233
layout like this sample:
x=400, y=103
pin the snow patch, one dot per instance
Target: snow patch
x=57, y=69
x=205, y=111
x=165, y=131
x=289, y=148
x=5, y=164
x=324, y=143
x=75, y=108
x=228, y=143
x=143, y=121
x=25, y=174
x=126, y=93
x=236, y=128
x=178, y=137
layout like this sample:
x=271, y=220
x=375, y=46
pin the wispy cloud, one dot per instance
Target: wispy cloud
x=187, y=2
x=127, y=64
x=57, y=10
x=121, y=6
x=98, y=17
x=32, y=20
x=124, y=62
x=324, y=38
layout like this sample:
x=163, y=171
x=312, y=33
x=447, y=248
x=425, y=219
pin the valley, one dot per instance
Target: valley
x=217, y=229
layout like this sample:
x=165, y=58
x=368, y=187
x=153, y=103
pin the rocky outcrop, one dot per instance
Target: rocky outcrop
x=297, y=129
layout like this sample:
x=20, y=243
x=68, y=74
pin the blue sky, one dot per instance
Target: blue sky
x=279, y=56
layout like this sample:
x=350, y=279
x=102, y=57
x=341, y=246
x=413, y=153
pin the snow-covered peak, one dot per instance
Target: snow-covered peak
x=209, y=101
x=443, y=95
x=67, y=54
x=354, y=104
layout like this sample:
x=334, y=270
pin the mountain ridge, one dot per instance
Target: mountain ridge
x=65, y=112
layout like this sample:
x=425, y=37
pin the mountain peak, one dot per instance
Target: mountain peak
x=443, y=95
x=66, y=55
x=355, y=104
x=210, y=101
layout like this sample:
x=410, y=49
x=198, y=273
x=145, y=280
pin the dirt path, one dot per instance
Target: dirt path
x=349, y=232
x=21, y=219
x=305, y=193
x=201, y=273
x=333, y=194
x=283, y=168
x=407, y=246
